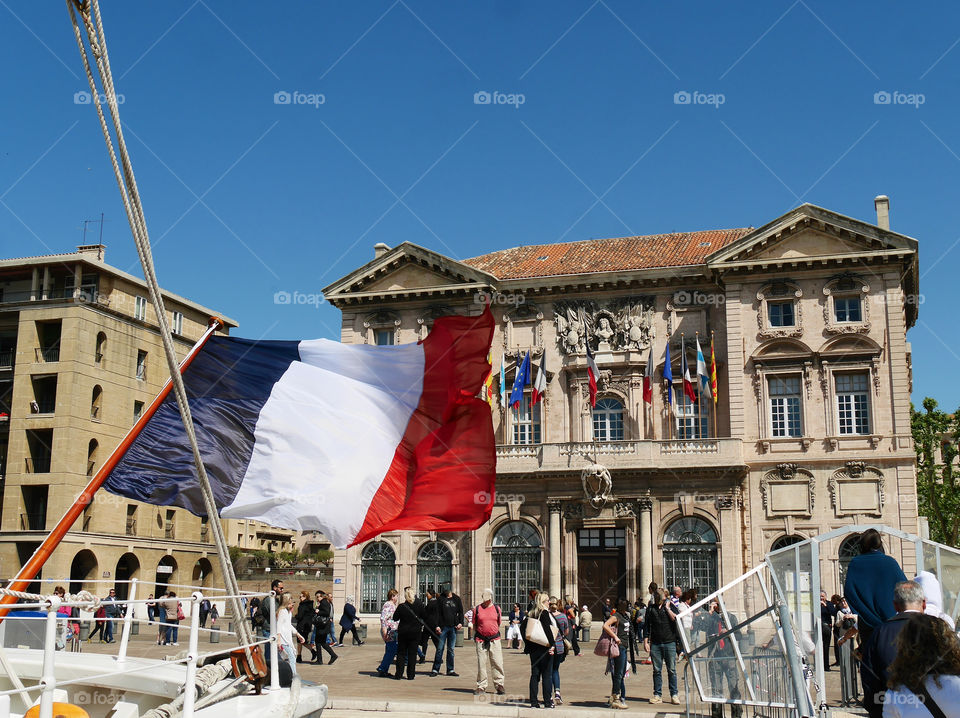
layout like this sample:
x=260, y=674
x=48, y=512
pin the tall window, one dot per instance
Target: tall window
x=96, y=402
x=378, y=566
x=383, y=337
x=101, y=347
x=784, y=393
x=693, y=417
x=608, y=420
x=690, y=555
x=516, y=562
x=781, y=314
x=853, y=403
x=140, y=308
x=434, y=567
x=177, y=327
x=92, y=456
x=169, y=524
x=131, y=519
x=141, y=365
x=848, y=550
x=137, y=411
x=526, y=422
x=847, y=309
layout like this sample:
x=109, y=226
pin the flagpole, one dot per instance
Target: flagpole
x=43, y=552
x=669, y=370
x=699, y=388
x=683, y=382
x=713, y=389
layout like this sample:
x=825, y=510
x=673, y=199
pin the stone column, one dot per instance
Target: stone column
x=77, y=280
x=645, y=541
x=35, y=285
x=44, y=292
x=553, y=582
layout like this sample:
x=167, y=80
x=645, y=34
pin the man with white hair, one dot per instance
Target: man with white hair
x=881, y=649
x=486, y=624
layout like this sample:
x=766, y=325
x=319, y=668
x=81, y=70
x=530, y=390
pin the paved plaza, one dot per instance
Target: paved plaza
x=355, y=689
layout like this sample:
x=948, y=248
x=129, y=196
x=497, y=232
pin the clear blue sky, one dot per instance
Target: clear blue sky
x=245, y=197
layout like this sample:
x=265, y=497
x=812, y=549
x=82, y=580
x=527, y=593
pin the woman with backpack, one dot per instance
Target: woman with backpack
x=410, y=621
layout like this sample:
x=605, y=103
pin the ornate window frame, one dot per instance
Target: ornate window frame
x=382, y=319
x=762, y=371
x=788, y=475
x=772, y=292
x=524, y=314
x=846, y=286
x=856, y=472
x=828, y=369
x=427, y=316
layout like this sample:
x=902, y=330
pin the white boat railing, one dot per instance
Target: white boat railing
x=48, y=683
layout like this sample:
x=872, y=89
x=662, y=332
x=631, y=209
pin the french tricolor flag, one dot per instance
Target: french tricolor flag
x=351, y=440
x=592, y=375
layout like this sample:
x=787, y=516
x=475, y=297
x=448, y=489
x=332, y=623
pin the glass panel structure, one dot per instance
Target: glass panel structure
x=378, y=565
x=516, y=562
x=526, y=422
x=780, y=314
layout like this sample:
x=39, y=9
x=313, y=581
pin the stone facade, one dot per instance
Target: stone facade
x=808, y=315
x=80, y=357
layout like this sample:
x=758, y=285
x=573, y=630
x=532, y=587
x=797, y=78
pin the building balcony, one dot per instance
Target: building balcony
x=681, y=454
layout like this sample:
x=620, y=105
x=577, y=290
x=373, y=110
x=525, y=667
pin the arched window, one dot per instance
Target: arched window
x=378, y=566
x=101, y=348
x=690, y=555
x=92, y=456
x=785, y=541
x=848, y=550
x=608, y=420
x=516, y=562
x=95, y=402
x=434, y=567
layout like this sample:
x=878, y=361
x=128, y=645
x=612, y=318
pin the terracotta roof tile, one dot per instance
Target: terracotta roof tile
x=606, y=255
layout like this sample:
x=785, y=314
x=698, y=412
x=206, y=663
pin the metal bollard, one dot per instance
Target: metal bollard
x=362, y=631
x=214, y=634
x=459, y=641
x=585, y=634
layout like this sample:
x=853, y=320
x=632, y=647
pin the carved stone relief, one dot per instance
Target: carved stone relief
x=788, y=490
x=857, y=489
x=618, y=324
x=845, y=286
x=381, y=319
x=778, y=291
x=597, y=485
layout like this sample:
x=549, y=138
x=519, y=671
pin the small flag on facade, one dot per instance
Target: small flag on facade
x=648, y=378
x=703, y=375
x=592, y=374
x=685, y=370
x=540, y=385
x=668, y=375
x=523, y=378
x=713, y=371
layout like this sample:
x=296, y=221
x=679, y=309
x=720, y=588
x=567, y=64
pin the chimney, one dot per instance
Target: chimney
x=882, y=203
x=379, y=249
x=94, y=251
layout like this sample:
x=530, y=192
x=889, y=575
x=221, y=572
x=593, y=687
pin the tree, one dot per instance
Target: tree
x=938, y=491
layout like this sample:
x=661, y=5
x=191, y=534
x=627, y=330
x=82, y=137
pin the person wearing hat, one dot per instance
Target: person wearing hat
x=486, y=623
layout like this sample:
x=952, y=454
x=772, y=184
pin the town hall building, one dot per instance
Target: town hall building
x=807, y=317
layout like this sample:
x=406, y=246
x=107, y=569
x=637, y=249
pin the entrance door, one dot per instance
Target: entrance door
x=601, y=568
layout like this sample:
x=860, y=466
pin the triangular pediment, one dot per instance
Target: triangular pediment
x=810, y=233
x=408, y=269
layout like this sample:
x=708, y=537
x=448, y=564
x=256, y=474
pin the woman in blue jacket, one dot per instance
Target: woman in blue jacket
x=349, y=621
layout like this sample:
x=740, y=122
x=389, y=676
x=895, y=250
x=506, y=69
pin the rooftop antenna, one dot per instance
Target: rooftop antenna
x=93, y=221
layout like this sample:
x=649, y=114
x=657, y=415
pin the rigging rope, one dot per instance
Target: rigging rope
x=89, y=17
